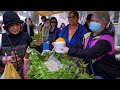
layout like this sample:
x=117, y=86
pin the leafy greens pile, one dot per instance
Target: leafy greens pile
x=38, y=70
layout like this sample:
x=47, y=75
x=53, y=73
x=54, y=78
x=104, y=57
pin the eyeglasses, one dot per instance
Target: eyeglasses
x=53, y=22
x=72, y=17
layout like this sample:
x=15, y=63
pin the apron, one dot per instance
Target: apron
x=19, y=50
x=52, y=38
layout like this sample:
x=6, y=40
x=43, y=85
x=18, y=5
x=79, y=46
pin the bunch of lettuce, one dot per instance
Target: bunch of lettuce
x=70, y=70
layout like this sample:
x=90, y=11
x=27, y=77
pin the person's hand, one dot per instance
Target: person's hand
x=6, y=59
x=38, y=42
x=64, y=50
x=14, y=58
x=52, y=44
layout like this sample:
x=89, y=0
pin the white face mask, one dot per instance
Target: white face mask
x=47, y=24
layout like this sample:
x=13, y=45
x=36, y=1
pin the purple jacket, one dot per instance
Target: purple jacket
x=96, y=39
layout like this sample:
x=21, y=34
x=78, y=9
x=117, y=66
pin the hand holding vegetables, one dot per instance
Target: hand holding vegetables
x=38, y=41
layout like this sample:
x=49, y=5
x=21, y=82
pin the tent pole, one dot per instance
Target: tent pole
x=28, y=27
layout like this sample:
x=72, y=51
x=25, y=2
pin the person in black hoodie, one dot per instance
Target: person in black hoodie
x=14, y=42
x=88, y=20
x=24, y=26
x=98, y=45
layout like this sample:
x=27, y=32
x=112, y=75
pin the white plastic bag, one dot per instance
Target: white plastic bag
x=53, y=64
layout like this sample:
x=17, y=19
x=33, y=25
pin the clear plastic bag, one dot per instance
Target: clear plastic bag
x=53, y=64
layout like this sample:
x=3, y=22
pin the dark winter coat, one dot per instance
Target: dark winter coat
x=105, y=65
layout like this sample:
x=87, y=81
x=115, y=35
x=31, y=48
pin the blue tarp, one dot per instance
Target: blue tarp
x=45, y=46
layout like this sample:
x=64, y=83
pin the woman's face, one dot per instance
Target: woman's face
x=53, y=22
x=14, y=28
x=47, y=23
x=95, y=19
x=43, y=19
x=72, y=19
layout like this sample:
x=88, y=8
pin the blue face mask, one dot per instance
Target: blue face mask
x=94, y=26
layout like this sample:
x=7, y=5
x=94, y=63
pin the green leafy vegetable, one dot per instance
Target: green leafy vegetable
x=70, y=70
x=36, y=37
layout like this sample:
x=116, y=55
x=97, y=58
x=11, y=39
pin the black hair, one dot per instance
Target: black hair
x=75, y=13
x=40, y=24
x=26, y=19
x=43, y=17
x=89, y=17
x=61, y=25
x=46, y=19
x=6, y=27
x=55, y=20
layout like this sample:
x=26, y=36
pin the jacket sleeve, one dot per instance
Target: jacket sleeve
x=83, y=32
x=58, y=32
x=79, y=45
x=99, y=49
x=62, y=32
x=24, y=27
x=39, y=48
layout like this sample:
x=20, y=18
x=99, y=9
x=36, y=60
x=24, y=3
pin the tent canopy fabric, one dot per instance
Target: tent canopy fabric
x=21, y=17
x=47, y=13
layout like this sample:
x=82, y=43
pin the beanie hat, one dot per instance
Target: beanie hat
x=10, y=17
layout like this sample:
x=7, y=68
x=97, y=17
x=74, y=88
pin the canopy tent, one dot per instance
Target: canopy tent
x=1, y=18
x=21, y=17
x=47, y=13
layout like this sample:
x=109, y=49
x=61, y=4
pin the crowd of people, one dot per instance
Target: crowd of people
x=93, y=40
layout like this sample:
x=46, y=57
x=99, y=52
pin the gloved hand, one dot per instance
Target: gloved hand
x=64, y=50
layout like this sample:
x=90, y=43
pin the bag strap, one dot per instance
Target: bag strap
x=0, y=40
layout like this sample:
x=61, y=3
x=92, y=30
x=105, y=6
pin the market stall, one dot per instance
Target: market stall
x=52, y=64
x=47, y=13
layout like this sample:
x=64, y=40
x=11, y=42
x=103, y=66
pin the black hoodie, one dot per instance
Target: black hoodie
x=19, y=42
